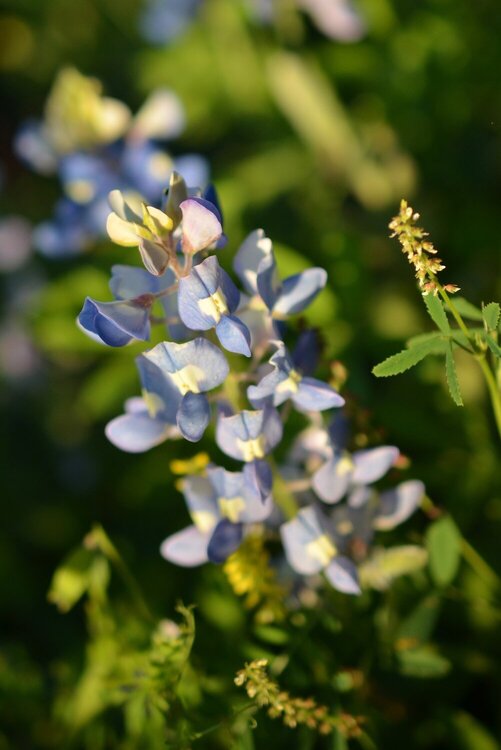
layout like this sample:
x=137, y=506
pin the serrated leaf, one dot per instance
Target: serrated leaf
x=407, y=358
x=423, y=662
x=436, y=312
x=452, y=378
x=423, y=337
x=491, y=313
x=443, y=541
x=385, y=565
x=493, y=345
x=466, y=309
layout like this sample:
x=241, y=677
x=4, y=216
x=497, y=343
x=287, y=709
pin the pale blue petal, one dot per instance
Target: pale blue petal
x=398, y=504
x=313, y=395
x=268, y=283
x=198, y=364
x=187, y=548
x=342, y=575
x=128, y=282
x=193, y=416
x=233, y=433
x=332, y=480
x=116, y=323
x=202, y=282
x=251, y=252
x=299, y=291
x=163, y=396
x=234, y=335
x=137, y=432
x=201, y=500
x=370, y=465
x=297, y=535
x=259, y=478
x=224, y=541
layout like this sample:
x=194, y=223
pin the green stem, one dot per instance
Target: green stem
x=100, y=539
x=493, y=389
x=478, y=564
x=494, y=392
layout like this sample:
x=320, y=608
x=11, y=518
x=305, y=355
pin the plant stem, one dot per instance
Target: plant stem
x=100, y=539
x=492, y=387
x=478, y=564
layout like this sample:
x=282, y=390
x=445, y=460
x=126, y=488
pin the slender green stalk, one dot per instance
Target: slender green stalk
x=478, y=564
x=100, y=539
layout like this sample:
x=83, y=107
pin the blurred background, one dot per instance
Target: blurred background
x=313, y=129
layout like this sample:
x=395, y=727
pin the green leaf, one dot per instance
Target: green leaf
x=418, y=626
x=493, y=345
x=384, y=565
x=423, y=662
x=72, y=579
x=407, y=358
x=471, y=735
x=437, y=313
x=452, y=378
x=466, y=309
x=491, y=313
x=423, y=337
x=443, y=541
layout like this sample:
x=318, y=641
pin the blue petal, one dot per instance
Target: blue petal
x=370, y=465
x=333, y=479
x=193, y=366
x=307, y=352
x=298, y=291
x=193, y=416
x=264, y=392
x=193, y=168
x=398, y=504
x=201, y=500
x=297, y=536
x=202, y=282
x=33, y=147
x=249, y=435
x=342, y=575
x=146, y=167
x=128, y=282
x=251, y=252
x=136, y=433
x=313, y=395
x=164, y=20
x=187, y=547
x=224, y=541
x=234, y=335
x=259, y=478
x=116, y=323
x=268, y=284
x=163, y=396
x=201, y=226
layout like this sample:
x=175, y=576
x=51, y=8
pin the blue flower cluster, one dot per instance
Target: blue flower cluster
x=187, y=381
x=94, y=144
x=164, y=20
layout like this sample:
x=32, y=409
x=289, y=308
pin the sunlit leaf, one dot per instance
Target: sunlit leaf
x=407, y=358
x=443, y=541
x=452, y=378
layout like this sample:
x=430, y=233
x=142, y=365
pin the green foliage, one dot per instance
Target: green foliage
x=451, y=375
x=490, y=315
x=443, y=541
x=404, y=360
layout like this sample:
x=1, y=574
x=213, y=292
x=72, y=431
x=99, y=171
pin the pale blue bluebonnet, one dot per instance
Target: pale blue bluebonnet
x=342, y=472
x=94, y=144
x=310, y=547
x=164, y=20
x=188, y=371
x=183, y=279
x=286, y=382
x=140, y=428
x=207, y=299
x=221, y=504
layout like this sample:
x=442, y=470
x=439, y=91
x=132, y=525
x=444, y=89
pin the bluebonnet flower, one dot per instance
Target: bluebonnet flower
x=182, y=277
x=221, y=504
x=207, y=299
x=310, y=547
x=165, y=20
x=249, y=436
x=285, y=381
x=187, y=371
x=94, y=144
x=342, y=472
x=355, y=523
